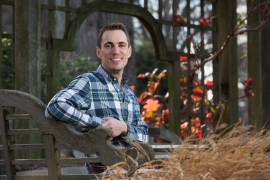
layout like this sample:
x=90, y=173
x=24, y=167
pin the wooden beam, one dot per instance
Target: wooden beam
x=265, y=66
x=254, y=70
x=233, y=66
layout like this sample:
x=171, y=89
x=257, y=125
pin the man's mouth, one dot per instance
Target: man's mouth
x=116, y=59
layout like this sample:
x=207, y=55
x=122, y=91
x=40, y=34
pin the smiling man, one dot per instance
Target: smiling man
x=102, y=98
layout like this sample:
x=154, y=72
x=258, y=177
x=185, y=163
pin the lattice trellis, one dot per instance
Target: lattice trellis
x=169, y=37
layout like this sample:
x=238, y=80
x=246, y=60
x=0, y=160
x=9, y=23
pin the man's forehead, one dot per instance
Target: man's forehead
x=115, y=36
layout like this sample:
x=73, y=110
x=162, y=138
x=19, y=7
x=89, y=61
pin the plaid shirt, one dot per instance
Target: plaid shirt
x=96, y=95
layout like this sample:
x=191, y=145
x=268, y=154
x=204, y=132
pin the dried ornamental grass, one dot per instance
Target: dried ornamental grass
x=237, y=154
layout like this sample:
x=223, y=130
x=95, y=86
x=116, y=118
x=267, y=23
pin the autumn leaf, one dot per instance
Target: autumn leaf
x=152, y=86
x=184, y=79
x=248, y=91
x=183, y=58
x=189, y=37
x=162, y=74
x=209, y=83
x=148, y=114
x=197, y=94
x=179, y=18
x=209, y=115
x=197, y=82
x=184, y=125
x=143, y=96
x=151, y=105
x=204, y=21
x=248, y=82
x=141, y=76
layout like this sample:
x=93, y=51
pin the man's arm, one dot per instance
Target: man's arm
x=68, y=105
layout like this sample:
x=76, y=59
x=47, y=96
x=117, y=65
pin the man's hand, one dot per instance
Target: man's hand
x=117, y=127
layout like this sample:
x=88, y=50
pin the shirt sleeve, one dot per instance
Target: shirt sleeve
x=71, y=103
x=138, y=129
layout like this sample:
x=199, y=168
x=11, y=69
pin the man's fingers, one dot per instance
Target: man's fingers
x=106, y=118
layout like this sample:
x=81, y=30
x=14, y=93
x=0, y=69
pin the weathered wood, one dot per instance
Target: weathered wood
x=26, y=146
x=23, y=132
x=80, y=177
x=78, y=160
x=222, y=13
x=1, y=51
x=164, y=134
x=96, y=140
x=120, y=8
x=53, y=66
x=5, y=141
x=3, y=177
x=174, y=98
x=50, y=128
x=2, y=162
x=28, y=161
x=18, y=117
x=254, y=69
x=233, y=66
x=40, y=177
x=265, y=66
x=53, y=168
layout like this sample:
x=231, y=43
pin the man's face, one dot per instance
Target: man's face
x=114, y=51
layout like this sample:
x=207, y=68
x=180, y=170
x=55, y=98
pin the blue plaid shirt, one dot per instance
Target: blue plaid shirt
x=96, y=95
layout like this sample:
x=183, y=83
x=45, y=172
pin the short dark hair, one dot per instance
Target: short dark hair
x=112, y=26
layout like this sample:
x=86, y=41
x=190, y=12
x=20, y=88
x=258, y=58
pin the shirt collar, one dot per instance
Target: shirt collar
x=108, y=76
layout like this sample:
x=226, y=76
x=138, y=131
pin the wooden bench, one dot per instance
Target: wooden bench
x=20, y=106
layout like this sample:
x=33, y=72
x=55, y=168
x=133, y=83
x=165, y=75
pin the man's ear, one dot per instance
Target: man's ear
x=130, y=51
x=98, y=51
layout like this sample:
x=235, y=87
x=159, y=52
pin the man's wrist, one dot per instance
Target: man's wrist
x=125, y=131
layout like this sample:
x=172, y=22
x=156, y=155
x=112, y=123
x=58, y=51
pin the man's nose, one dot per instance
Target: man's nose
x=116, y=50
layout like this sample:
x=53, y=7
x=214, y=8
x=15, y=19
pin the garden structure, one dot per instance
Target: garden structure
x=211, y=28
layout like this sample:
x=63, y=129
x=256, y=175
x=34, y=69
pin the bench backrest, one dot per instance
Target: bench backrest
x=57, y=134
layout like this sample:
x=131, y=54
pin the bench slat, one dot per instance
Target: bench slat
x=28, y=161
x=77, y=160
x=53, y=168
x=2, y=162
x=82, y=176
x=34, y=177
x=5, y=141
x=3, y=177
x=18, y=117
x=26, y=146
x=23, y=131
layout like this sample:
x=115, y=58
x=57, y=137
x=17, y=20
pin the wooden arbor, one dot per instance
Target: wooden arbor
x=27, y=39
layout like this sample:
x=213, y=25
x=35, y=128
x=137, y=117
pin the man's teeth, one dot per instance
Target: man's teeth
x=115, y=59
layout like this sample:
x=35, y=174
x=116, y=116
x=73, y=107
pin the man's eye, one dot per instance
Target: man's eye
x=107, y=45
x=122, y=45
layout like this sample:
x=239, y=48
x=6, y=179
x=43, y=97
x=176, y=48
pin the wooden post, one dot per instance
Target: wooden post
x=53, y=58
x=228, y=66
x=27, y=55
x=224, y=57
x=8, y=156
x=174, y=96
x=265, y=65
x=233, y=66
x=1, y=48
x=254, y=70
x=27, y=46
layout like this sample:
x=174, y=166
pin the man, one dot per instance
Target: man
x=102, y=98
